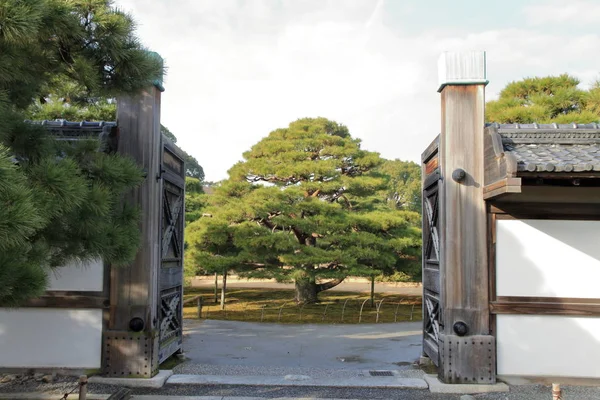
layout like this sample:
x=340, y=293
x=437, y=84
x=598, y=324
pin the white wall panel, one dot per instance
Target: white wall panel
x=548, y=258
x=78, y=277
x=540, y=345
x=46, y=337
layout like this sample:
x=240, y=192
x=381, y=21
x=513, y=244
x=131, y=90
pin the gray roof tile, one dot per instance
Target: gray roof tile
x=67, y=130
x=553, y=147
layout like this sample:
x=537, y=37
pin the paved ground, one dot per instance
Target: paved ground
x=342, y=287
x=235, y=345
x=533, y=392
x=344, y=351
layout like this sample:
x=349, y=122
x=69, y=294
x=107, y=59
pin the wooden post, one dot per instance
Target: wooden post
x=83, y=387
x=131, y=343
x=223, y=289
x=216, y=288
x=467, y=351
x=200, y=302
x=556, y=391
x=372, y=291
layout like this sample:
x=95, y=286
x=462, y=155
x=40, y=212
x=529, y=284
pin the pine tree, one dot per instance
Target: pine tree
x=62, y=202
x=195, y=203
x=300, y=207
x=403, y=189
x=546, y=100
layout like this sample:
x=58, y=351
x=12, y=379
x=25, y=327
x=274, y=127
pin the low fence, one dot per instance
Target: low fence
x=350, y=311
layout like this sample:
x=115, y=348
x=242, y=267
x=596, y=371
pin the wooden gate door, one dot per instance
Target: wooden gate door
x=170, y=300
x=432, y=318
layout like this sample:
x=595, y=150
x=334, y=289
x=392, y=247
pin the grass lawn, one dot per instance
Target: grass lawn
x=277, y=305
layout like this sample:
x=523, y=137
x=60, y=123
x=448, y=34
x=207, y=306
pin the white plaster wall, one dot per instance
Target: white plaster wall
x=540, y=345
x=46, y=337
x=548, y=258
x=77, y=276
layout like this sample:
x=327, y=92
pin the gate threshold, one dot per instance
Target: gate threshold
x=300, y=380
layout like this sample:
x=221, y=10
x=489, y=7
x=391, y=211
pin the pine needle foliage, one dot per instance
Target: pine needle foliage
x=300, y=207
x=552, y=99
x=61, y=202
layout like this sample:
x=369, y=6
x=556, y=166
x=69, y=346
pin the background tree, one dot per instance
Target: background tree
x=192, y=167
x=165, y=131
x=195, y=202
x=216, y=250
x=403, y=187
x=61, y=201
x=545, y=100
x=300, y=207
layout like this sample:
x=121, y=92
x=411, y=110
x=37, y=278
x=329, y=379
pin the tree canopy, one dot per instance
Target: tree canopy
x=59, y=105
x=306, y=206
x=545, y=100
x=60, y=201
x=403, y=188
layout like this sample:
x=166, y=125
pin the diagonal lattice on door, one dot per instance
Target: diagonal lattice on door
x=432, y=313
x=170, y=278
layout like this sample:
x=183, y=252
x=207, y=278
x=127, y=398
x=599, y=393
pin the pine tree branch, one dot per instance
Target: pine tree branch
x=289, y=180
x=331, y=266
x=250, y=264
x=328, y=285
x=343, y=196
x=299, y=235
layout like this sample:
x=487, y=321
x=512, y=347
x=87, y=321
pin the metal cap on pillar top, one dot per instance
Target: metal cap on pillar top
x=467, y=68
x=158, y=82
x=467, y=352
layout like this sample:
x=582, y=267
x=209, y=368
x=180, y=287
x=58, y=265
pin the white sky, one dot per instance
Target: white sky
x=240, y=69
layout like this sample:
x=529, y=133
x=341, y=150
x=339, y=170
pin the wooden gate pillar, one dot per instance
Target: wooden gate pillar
x=466, y=348
x=130, y=344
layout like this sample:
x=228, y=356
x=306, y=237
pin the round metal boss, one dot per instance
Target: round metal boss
x=136, y=324
x=460, y=328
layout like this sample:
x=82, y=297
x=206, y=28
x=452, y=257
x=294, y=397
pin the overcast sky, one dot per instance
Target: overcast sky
x=240, y=69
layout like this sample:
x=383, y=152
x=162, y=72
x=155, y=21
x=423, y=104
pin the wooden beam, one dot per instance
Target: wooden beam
x=69, y=301
x=502, y=183
x=560, y=175
x=498, y=163
x=545, y=306
x=503, y=186
x=432, y=165
x=536, y=210
x=431, y=150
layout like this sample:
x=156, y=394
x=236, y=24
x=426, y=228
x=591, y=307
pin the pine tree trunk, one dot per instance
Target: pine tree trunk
x=216, y=288
x=372, y=291
x=306, y=291
x=307, y=288
x=223, y=289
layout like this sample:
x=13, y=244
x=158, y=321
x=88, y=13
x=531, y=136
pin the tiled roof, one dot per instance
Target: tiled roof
x=67, y=130
x=553, y=147
x=103, y=130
